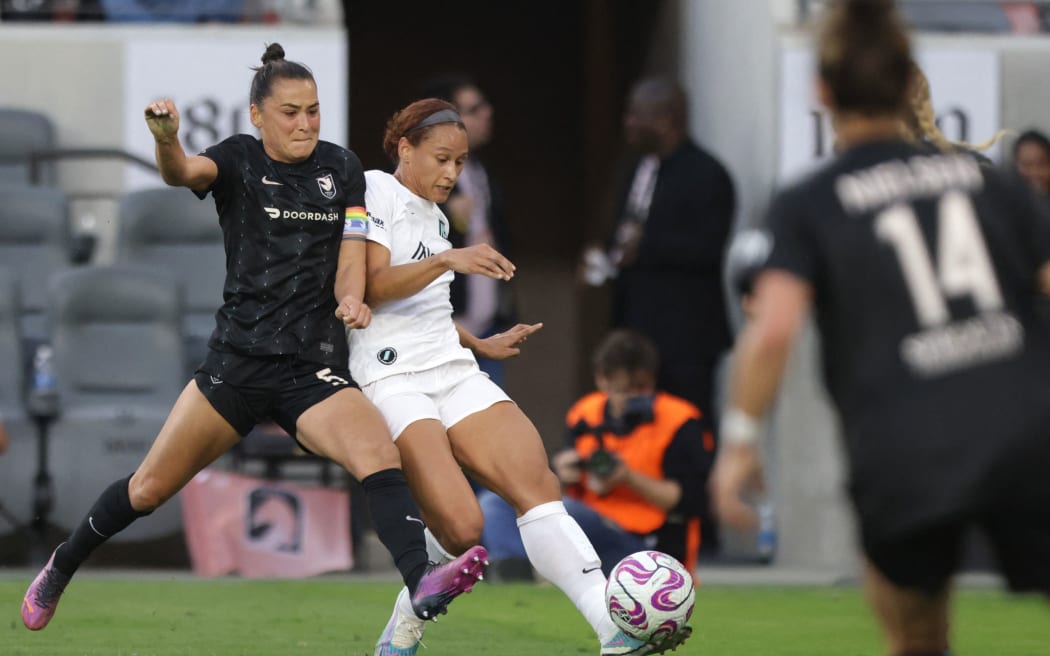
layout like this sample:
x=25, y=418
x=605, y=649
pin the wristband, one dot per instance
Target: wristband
x=739, y=428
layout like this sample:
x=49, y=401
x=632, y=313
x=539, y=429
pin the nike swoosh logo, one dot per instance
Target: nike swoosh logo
x=29, y=605
x=415, y=519
x=91, y=523
x=266, y=180
x=588, y=570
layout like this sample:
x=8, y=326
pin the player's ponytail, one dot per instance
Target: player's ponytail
x=275, y=67
x=921, y=121
x=864, y=57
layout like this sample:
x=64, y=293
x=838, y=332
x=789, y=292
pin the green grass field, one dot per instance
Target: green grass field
x=158, y=617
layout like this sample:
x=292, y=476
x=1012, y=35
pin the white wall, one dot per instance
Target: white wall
x=81, y=77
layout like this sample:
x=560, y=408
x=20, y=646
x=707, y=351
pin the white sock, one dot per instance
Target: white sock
x=561, y=553
x=435, y=552
x=409, y=630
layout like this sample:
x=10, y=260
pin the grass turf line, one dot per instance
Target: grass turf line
x=231, y=617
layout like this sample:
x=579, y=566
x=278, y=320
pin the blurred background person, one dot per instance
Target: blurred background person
x=676, y=207
x=1032, y=161
x=3, y=435
x=480, y=304
x=921, y=269
x=675, y=213
x=634, y=467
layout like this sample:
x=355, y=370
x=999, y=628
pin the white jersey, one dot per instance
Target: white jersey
x=415, y=333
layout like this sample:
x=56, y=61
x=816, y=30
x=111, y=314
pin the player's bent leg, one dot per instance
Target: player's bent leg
x=347, y=429
x=502, y=448
x=454, y=518
x=193, y=435
x=450, y=507
x=914, y=621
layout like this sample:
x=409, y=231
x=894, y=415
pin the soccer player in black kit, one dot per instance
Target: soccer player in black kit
x=924, y=268
x=292, y=212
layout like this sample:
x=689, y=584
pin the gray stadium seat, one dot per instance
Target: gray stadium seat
x=118, y=356
x=21, y=133
x=34, y=244
x=18, y=463
x=170, y=230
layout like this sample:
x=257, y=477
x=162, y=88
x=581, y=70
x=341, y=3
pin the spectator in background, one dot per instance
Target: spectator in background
x=634, y=467
x=676, y=207
x=3, y=436
x=1032, y=160
x=181, y=11
x=49, y=10
x=481, y=304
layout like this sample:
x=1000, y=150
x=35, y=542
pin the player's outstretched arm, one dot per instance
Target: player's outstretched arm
x=501, y=345
x=176, y=168
x=481, y=259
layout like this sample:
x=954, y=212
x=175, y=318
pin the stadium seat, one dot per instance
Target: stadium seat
x=34, y=244
x=170, y=230
x=23, y=132
x=18, y=463
x=118, y=356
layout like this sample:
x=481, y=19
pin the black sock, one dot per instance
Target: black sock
x=395, y=516
x=111, y=514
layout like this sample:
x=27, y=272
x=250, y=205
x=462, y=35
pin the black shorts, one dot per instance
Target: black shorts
x=250, y=390
x=1010, y=504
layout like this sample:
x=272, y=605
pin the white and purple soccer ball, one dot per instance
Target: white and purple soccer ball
x=650, y=595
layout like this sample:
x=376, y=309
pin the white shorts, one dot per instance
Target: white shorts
x=450, y=393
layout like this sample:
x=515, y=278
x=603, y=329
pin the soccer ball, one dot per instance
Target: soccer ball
x=650, y=595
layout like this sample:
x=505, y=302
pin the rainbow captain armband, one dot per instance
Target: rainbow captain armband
x=356, y=224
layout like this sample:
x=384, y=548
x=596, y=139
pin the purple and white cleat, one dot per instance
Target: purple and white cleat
x=443, y=583
x=38, y=605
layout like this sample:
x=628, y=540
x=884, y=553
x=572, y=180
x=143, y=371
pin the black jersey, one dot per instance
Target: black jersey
x=924, y=269
x=282, y=227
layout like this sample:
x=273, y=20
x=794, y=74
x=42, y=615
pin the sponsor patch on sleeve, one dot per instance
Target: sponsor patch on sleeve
x=356, y=224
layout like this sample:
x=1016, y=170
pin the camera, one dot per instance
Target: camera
x=602, y=463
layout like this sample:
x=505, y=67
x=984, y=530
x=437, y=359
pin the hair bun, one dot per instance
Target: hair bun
x=274, y=51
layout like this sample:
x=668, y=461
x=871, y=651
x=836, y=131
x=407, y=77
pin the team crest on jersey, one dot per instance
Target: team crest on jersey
x=387, y=355
x=327, y=185
x=443, y=227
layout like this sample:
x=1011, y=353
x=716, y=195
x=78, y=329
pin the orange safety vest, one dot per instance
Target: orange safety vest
x=642, y=450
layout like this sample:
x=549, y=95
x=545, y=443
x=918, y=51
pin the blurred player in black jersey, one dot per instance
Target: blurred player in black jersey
x=292, y=212
x=923, y=268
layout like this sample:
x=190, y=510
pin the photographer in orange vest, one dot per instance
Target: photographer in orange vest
x=634, y=469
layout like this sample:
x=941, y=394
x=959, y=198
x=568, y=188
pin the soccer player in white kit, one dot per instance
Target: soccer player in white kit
x=418, y=367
